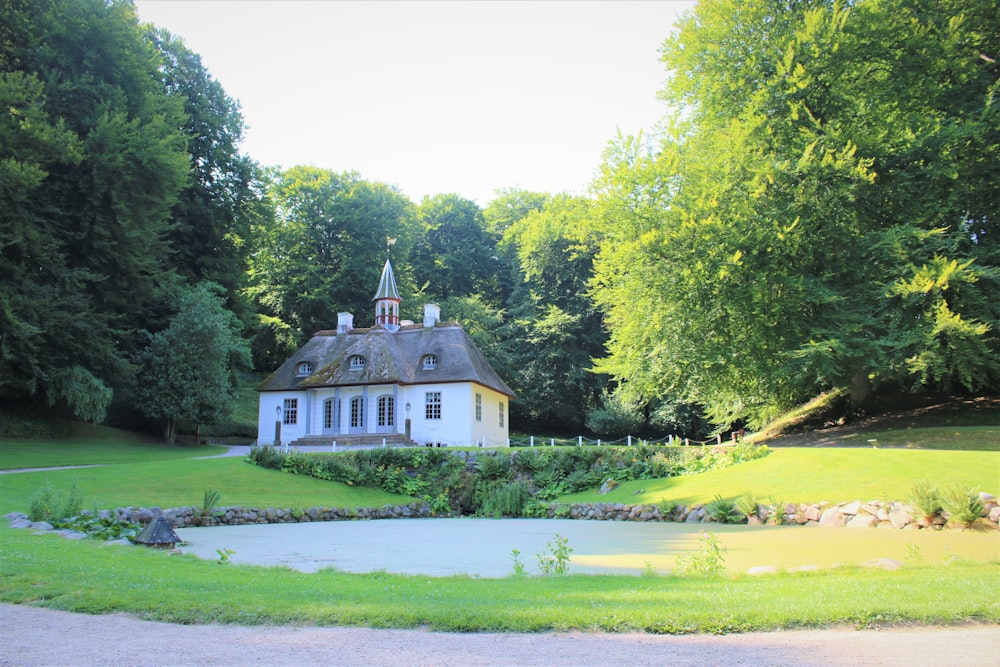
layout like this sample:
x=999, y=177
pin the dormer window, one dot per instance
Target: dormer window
x=430, y=362
x=357, y=362
x=305, y=368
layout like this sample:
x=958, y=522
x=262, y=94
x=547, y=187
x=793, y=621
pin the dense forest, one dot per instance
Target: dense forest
x=817, y=211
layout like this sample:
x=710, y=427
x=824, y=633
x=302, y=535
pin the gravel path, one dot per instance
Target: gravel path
x=31, y=636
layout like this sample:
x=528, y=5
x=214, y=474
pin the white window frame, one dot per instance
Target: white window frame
x=290, y=414
x=479, y=407
x=432, y=405
x=305, y=368
x=357, y=362
x=430, y=362
x=501, y=414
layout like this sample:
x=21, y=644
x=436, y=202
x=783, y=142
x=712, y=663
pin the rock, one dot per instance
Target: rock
x=986, y=497
x=884, y=563
x=20, y=523
x=762, y=569
x=851, y=508
x=13, y=516
x=862, y=520
x=995, y=515
x=900, y=518
x=608, y=486
x=70, y=534
x=41, y=526
x=812, y=513
x=832, y=516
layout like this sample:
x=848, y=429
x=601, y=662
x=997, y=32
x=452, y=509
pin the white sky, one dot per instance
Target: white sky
x=459, y=97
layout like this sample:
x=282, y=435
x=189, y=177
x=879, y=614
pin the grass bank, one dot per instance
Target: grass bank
x=810, y=475
x=178, y=483
x=95, y=578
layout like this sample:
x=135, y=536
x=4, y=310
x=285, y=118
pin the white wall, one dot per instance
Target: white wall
x=457, y=427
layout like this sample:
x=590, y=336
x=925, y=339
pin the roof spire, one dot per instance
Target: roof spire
x=387, y=300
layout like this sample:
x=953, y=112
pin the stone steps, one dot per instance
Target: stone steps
x=359, y=441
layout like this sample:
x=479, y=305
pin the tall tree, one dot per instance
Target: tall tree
x=89, y=196
x=453, y=254
x=186, y=371
x=323, y=254
x=819, y=217
x=224, y=196
x=553, y=330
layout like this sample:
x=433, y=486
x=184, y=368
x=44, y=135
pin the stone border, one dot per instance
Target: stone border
x=856, y=514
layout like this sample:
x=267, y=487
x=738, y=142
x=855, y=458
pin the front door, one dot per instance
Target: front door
x=386, y=414
x=357, y=415
x=331, y=416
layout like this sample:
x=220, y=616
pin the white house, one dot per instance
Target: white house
x=428, y=383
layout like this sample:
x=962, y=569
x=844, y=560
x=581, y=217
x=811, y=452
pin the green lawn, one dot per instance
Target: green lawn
x=180, y=483
x=93, y=577
x=95, y=444
x=816, y=474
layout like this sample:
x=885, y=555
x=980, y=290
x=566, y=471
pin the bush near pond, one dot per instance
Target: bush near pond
x=501, y=483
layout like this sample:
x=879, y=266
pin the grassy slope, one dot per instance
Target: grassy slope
x=817, y=474
x=181, y=483
x=90, y=444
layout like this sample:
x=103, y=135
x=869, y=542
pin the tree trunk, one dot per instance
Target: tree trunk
x=861, y=389
x=170, y=431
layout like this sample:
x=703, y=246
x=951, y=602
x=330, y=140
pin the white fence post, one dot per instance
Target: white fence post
x=532, y=441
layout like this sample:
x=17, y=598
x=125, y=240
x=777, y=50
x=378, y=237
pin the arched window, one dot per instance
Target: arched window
x=357, y=362
x=305, y=368
x=430, y=362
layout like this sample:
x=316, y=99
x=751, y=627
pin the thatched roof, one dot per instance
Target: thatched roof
x=389, y=358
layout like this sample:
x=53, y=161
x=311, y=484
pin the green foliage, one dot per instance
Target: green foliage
x=519, y=568
x=963, y=504
x=555, y=561
x=498, y=499
x=100, y=526
x=926, y=499
x=210, y=502
x=722, y=510
x=505, y=483
x=616, y=416
x=742, y=267
x=49, y=505
x=185, y=371
x=709, y=560
x=747, y=504
x=224, y=555
x=267, y=457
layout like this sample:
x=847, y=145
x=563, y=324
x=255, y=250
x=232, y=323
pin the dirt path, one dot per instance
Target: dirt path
x=31, y=636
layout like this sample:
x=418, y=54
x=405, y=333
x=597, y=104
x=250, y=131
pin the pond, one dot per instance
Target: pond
x=483, y=547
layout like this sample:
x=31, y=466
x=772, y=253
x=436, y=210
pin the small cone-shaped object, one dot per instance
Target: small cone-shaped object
x=158, y=533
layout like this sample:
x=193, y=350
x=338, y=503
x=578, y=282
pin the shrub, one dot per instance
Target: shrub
x=556, y=561
x=926, y=499
x=267, y=457
x=503, y=500
x=747, y=504
x=47, y=505
x=708, y=560
x=963, y=505
x=723, y=511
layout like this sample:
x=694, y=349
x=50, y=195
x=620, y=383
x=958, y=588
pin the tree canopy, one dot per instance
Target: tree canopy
x=821, y=213
x=816, y=210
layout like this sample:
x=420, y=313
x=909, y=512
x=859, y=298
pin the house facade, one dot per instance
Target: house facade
x=425, y=382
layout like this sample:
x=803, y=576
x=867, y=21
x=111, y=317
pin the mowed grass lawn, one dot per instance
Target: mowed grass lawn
x=811, y=475
x=92, y=577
